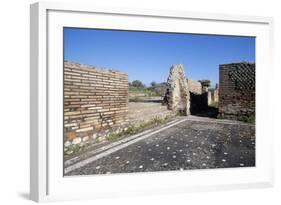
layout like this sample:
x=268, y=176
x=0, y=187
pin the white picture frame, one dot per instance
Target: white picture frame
x=46, y=147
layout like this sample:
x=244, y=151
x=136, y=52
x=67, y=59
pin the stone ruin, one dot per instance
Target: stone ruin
x=177, y=94
x=213, y=95
x=183, y=95
x=234, y=96
x=96, y=100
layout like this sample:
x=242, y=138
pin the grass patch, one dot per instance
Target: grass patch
x=73, y=149
x=250, y=119
x=247, y=119
x=135, y=99
x=144, y=91
x=181, y=113
x=131, y=130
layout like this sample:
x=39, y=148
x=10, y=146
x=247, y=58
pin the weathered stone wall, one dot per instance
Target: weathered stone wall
x=194, y=86
x=183, y=95
x=237, y=91
x=94, y=100
x=177, y=94
x=209, y=97
x=213, y=96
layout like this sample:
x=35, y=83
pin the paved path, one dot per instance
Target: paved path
x=191, y=144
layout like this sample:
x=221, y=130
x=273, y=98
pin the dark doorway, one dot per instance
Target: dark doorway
x=198, y=103
x=199, y=106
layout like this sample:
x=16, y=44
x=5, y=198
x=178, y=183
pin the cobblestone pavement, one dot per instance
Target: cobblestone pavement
x=187, y=145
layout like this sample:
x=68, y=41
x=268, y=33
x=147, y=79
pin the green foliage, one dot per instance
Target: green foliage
x=153, y=84
x=181, y=113
x=156, y=89
x=205, y=83
x=131, y=130
x=73, y=148
x=138, y=90
x=137, y=84
x=144, y=92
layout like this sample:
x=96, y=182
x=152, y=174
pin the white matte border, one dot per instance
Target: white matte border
x=59, y=187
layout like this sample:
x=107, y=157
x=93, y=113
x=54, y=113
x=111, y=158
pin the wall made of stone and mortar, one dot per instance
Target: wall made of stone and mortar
x=213, y=96
x=177, y=93
x=194, y=86
x=95, y=100
x=237, y=91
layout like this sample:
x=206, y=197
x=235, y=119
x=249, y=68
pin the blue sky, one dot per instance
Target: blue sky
x=148, y=56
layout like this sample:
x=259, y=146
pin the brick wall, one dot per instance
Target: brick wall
x=237, y=90
x=94, y=99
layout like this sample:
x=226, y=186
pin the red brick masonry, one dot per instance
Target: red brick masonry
x=237, y=90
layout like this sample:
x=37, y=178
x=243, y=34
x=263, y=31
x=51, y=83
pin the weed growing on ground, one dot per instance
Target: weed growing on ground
x=250, y=119
x=132, y=129
x=181, y=113
x=73, y=149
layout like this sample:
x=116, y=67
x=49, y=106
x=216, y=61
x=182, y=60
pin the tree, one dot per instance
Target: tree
x=138, y=84
x=158, y=88
x=205, y=83
x=153, y=84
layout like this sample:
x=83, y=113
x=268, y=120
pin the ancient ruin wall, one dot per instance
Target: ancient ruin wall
x=177, y=95
x=237, y=91
x=94, y=100
x=213, y=96
x=194, y=86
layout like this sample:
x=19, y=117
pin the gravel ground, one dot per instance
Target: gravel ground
x=145, y=111
x=188, y=145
